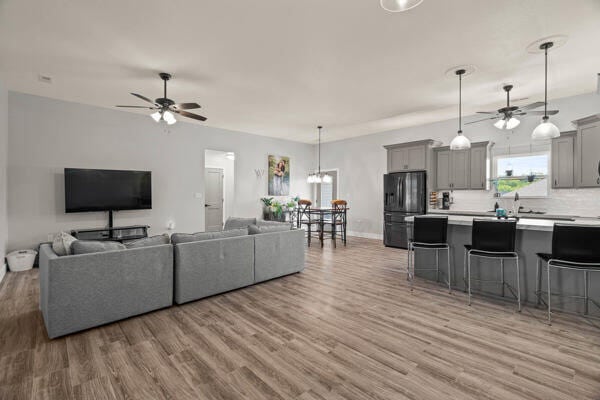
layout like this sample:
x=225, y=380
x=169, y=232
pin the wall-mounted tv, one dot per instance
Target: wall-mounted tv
x=107, y=190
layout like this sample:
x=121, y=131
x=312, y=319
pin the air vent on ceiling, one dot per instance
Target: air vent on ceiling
x=45, y=78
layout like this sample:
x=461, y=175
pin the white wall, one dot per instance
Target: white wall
x=3, y=166
x=47, y=135
x=217, y=159
x=362, y=164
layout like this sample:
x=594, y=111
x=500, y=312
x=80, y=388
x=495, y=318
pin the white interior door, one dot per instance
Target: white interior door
x=213, y=203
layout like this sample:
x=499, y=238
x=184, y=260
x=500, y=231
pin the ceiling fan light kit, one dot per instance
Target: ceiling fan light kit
x=399, y=5
x=460, y=141
x=165, y=108
x=546, y=129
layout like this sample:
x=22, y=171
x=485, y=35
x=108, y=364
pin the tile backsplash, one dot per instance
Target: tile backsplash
x=576, y=202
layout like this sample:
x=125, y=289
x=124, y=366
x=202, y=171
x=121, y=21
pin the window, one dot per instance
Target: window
x=325, y=192
x=526, y=174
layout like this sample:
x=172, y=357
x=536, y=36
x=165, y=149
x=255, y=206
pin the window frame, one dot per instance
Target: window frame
x=548, y=153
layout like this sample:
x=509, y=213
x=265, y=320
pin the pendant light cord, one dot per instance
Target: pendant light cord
x=546, y=83
x=319, y=150
x=459, y=103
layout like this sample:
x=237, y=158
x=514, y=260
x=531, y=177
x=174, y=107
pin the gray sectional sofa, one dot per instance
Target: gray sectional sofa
x=83, y=291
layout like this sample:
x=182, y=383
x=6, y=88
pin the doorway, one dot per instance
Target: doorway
x=219, y=168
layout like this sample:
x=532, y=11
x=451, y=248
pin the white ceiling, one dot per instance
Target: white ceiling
x=280, y=67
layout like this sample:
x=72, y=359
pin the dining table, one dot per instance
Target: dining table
x=327, y=215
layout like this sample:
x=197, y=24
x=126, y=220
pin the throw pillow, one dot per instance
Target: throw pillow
x=62, y=244
x=148, y=241
x=237, y=223
x=256, y=230
x=178, y=238
x=95, y=246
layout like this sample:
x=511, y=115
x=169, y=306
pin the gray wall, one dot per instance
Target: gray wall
x=47, y=135
x=362, y=163
x=3, y=166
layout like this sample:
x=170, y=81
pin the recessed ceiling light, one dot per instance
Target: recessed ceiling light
x=45, y=78
x=399, y=5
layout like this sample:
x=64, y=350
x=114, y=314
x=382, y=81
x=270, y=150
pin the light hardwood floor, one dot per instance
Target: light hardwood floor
x=345, y=328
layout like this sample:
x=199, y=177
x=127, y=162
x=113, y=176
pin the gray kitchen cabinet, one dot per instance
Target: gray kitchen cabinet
x=478, y=165
x=443, y=176
x=563, y=161
x=461, y=169
x=460, y=165
x=589, y=155
x=409, y=156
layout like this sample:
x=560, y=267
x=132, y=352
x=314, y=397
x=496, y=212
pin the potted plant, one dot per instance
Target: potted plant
x=267, y=202
x=277, y=209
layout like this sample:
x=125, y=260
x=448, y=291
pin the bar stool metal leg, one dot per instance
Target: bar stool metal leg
x=469, y=275
x=449, y=273
x=538, y=281
x=502, y=273
x=437, y=265
x=518, y=284
x=465, y=271
x=585, y=292
x=549, y=296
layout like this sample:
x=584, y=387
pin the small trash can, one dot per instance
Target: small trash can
x=21, y=260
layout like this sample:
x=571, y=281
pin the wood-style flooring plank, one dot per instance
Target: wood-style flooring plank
x=347, y=327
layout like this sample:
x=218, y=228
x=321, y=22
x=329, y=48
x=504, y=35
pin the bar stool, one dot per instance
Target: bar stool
x=574, y=247
x=429, y=233
x=495, y=240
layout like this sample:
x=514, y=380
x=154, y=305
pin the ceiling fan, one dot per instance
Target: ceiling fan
x=165, y=107
x=506, y=116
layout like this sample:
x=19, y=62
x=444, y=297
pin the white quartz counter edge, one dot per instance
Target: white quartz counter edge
x=524, y=223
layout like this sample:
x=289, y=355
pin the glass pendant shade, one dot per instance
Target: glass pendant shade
x=399, y=5
x=156, y=116
x=327, y=178
x=500, y=124
x=545, y=130
x=169, y=117
x=460, y=142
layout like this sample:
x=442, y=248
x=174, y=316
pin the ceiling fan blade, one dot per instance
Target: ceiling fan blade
x=148, y=108
x=549, y=112
x=532, y=105
x=186, y=106
x=481, y=120
x=144, y=98
x=189, y=115
x=487, y=112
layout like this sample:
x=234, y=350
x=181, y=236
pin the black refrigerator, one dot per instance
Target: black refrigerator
x=405, y=195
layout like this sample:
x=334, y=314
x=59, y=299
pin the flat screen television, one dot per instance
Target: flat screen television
x=107, y=190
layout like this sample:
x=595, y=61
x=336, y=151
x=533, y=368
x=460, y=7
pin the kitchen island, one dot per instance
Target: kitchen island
x=534, y=235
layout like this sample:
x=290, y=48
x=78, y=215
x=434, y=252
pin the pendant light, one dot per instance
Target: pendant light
x=319, y=177
x=546, y=129
x=460, y=142
x=399, y=5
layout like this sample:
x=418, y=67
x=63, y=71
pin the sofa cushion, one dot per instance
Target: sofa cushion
x=95, y=246
x=178, y=238
x=280, y=227
x=148, y=241
x=62, y=244
x=236, y=223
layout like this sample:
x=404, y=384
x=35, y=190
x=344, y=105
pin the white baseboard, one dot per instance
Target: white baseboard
x=2, y=271
x=366, y=235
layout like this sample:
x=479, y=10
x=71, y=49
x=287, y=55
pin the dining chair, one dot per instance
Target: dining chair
x=340, y=210
x=305, y=217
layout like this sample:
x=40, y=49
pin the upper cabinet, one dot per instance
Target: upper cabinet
x=576, y=155
x=461, y=169
x=478, y=172
x=409, y=156
x=588, y=148
x=563, y=157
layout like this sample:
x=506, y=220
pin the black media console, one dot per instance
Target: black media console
x=119, y=233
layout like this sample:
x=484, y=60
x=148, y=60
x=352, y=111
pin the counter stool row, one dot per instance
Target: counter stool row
x=574, y=247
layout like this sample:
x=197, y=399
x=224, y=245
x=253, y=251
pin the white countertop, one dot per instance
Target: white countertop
x=524, y=223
